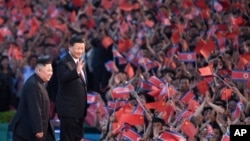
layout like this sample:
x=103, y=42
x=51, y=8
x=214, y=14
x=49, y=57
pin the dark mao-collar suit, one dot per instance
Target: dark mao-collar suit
x=33, y=112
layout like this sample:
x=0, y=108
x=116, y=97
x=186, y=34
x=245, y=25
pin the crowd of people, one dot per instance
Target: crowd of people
x=156, y=70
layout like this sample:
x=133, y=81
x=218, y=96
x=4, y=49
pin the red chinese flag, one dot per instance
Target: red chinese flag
x=26, y=11
x=225, y=3
x=129, y=70
x=201, y=4
x=175, y=37
x=149, y=23
x=207, y=49
x=206, y=71
x=189, y=129
x=202, y=87
x=136, y=6
x=155, y=91
x=125, y=6
x=237, y=21
x=159, y=106
x=77, y=3
x=187, y=4
x=199, y=45
x=226, y=94
x=107, y=4
x=62, y=27
x=232, y=35
x=193, y=105
x=205, y=13
x=131, y=119
x=107, y=41
x=89, y=10
x=246, y=56
x=124, y=45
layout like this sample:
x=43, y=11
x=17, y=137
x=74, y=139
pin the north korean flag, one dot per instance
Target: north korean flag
x=144, y=85
x=92, y=98
x=186, y=97
x=240, y=75
x=131, y=135
x=187, y=57
x=156, y=81
x=171, y=136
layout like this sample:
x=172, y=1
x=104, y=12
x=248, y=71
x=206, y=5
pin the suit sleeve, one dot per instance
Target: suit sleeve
x=34, y=104
x=66, y=74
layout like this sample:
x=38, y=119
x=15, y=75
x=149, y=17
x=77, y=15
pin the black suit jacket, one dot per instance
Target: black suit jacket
x=33, y=111
x=71, y=100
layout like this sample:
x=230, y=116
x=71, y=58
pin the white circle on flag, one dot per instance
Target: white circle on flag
x=189, y=57
x=122, y=103
x=127, y=89
x=245, y=75
x=92, y=99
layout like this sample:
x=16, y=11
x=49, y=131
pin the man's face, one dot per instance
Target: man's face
x=184, y=85
x=45, y=72
x=77, y=50
x=157, y=126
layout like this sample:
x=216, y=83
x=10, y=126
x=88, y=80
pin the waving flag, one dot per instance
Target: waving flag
x=122, y=92
x=240, y=75
x=187, y=96
x=111, y=66
x=206, y=71
x=92, y=98
x=156, y=81
x=159, y=106
x=144, y=85
x=171, y=136
x=138, y=110
x=226, y=94
x=131, y=119
x=117, y=104
x=187, y=57
x=189, y=129
x=131, y=135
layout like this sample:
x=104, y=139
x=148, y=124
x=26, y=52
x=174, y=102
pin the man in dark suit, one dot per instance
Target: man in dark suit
x=71, y=100
x=31, y=122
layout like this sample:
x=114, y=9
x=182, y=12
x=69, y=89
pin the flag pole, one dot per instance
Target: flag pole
x=225, y=84
x=134, y=93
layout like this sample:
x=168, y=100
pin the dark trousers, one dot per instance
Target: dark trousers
x=71, y=129
x=49, y=137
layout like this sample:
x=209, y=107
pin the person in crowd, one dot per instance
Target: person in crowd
x=31, y=121
x=71, y=100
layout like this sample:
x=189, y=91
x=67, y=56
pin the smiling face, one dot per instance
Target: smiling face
x=77, y=50
x=45, y=72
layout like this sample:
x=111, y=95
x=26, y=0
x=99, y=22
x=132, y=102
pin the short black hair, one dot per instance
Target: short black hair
x=158, y=120
x=43, y=61
x=76, y=39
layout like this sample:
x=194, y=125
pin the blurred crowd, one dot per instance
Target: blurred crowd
x=157, y=69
